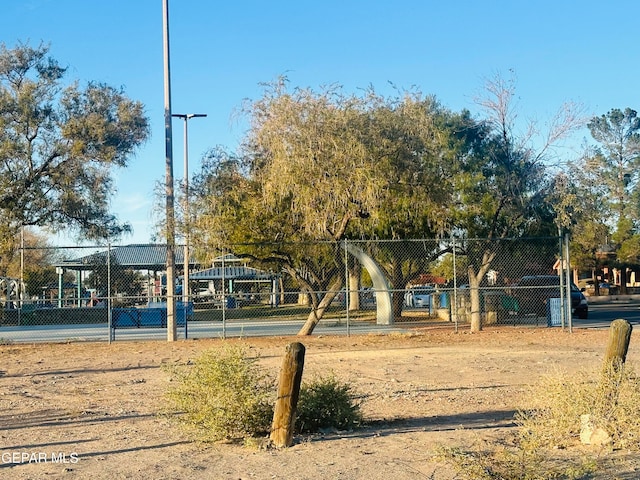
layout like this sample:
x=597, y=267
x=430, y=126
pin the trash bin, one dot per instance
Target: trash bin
x=444, y=300
x=510, y=304
x=231, y=302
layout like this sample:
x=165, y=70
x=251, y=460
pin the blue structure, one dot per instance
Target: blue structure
x=155, y=315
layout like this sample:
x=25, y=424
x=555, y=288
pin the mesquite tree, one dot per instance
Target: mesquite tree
x=325, y=166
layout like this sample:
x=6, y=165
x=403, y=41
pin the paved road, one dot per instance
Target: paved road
x=600, y=316
x=234, y=328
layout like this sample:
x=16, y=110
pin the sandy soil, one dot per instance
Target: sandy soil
x=90, y=411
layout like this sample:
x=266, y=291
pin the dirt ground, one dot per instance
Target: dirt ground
x=91, y=410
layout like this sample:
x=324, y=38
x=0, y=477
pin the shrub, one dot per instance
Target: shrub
x=327, y=403
x=499, y=463
x=224, y=395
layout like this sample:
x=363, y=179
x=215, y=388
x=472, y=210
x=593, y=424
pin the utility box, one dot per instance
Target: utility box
x=554, y=315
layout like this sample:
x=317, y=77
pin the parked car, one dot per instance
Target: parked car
x=533, y=293
x=419, y=297
x=604, y=287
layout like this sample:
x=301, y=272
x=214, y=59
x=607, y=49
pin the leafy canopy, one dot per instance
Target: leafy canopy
x=58, y=145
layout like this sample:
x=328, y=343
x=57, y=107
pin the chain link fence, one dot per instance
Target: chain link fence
x=522, y=281
x=120, y=292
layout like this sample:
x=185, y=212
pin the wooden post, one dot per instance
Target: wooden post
x=619, y=338
x=284, y=415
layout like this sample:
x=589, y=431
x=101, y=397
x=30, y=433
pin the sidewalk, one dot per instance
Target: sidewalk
x=613, y=299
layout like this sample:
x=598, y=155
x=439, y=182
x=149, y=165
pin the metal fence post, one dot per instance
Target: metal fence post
x=454, y=306
x=224, y=306
x=109, y=304
x=563, y=309
x=568, y=291
x=347, y=289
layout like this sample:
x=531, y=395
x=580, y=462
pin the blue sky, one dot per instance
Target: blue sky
x=221, y=51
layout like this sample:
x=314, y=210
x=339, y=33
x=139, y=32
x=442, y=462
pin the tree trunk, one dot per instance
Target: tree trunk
x=354, y=287
x=623, y=279
x=474, y=297
x=596, y=282
x=474, y=289
x=282, y=293
x=317, y=313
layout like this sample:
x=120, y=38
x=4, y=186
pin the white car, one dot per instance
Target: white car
x=419, y=297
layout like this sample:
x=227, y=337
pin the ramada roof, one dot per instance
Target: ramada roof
x=154, y=257
x=139, y=257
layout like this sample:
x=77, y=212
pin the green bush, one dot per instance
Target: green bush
x=224, y=395
x=326, y=403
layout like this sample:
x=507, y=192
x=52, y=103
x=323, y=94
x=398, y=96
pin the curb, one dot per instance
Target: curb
x=614, y=299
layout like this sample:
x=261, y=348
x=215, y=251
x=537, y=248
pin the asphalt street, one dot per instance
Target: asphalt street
x=601, y=314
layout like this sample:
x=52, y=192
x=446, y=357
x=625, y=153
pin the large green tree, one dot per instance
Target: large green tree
x=608, y=172
x=580, y=211
x=59, y=142
x=427, y=149
x=503, y=192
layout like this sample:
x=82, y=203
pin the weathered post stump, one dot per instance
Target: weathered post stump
x=284, y=414
x=619, y=338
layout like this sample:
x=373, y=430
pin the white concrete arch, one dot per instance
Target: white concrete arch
x=384, y=309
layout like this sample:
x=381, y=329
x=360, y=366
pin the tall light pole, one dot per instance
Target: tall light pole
x=172, y=331
x=187, y=220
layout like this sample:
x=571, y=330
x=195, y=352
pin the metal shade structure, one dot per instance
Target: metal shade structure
x=136, y=256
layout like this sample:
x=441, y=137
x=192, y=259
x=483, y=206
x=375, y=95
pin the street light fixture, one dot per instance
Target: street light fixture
x=186, y=117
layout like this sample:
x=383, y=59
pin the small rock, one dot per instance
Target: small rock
x=591, y=434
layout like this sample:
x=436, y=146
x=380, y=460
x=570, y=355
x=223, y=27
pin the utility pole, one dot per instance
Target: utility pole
x=172, y=332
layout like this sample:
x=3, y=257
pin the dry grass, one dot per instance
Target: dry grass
x=610, y=397
x=548, y=443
